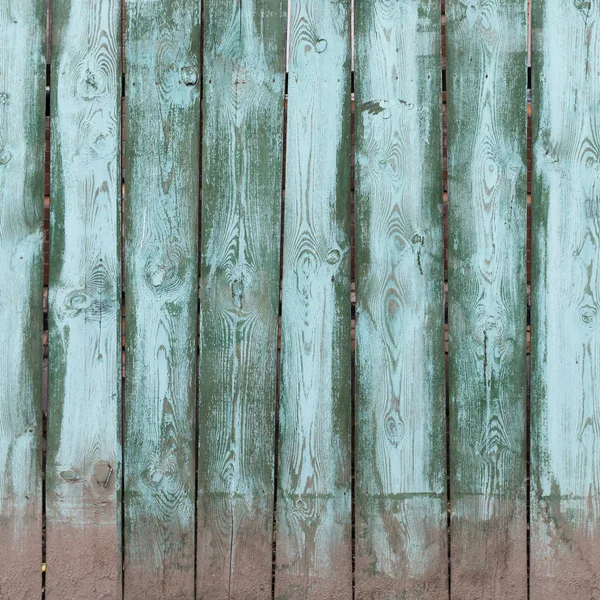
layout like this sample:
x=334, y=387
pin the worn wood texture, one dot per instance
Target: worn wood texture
x=22, y=104
x=486, y=94
x=400, y=377
x=244, y=85
x=313, y=542
x=84, y=370
x=162, y=160
x=565, y=348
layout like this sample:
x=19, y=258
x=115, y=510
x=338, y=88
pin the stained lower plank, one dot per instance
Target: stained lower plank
x=162, y=162
x=565, y=346
x=313, y=542
x=84, y=366
x=486, y=95
x=400, y=377
x=244, y=81
x=22, y=104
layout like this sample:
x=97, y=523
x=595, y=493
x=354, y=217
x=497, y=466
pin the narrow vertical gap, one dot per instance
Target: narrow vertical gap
x=528, y=324
x=528, y=463
x=449, y=503
x=123, y=298
x=46, y=267
x=44, y=435
x=446, y=321
x=352, y=303
x=278, y=353
x=198, y=272
x=353, y=360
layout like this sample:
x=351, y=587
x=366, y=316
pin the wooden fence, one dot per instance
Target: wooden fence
x=283, y=358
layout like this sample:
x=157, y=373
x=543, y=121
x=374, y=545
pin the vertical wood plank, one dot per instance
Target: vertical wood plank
x=486, y=94
x=400, y=377
x=565, y=348
x=162, y=44
x=313, y=544
x=244, y=85
x=84, y=369
x=22, y=104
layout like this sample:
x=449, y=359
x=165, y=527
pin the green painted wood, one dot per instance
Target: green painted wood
x=486, y=95
x=162, y=148
x=22, y=106
x=565, y=344
x=244, y=84
x=401, y=528
x=83, y=477
x=313, y=541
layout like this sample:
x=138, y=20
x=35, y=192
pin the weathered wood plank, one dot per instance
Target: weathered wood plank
x=565, y=348
x=400, y=377
x=162, y=160
x=244, y=85
x=84, y=369
x=313, y=544
x=487, y=82
x=22, y=104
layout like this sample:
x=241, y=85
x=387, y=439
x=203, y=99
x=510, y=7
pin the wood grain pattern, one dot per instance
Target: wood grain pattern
x=313, y=544
x=22, y=103
x=400, y=377
x=486, y=94
x=565, y=348
x=244, y=85
x=162, y=159
x=84, y=370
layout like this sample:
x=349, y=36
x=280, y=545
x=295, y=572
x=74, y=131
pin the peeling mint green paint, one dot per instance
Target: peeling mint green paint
x=314, y=533
x=487, y=195
x=161, y=290
x=22, y=87
x=244, y=86
x=565, y=344
x=400, y=390
x=84, y=394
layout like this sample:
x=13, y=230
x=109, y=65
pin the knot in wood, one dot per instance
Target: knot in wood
x=490, y=323
x=70, y=476
x=588, y=315
x=189, y=75
x=156, y=477
x=89, y=86
x=164, y=271
x=94, y=302
x=333, y=256
x=394, y=426
x=321, y=45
